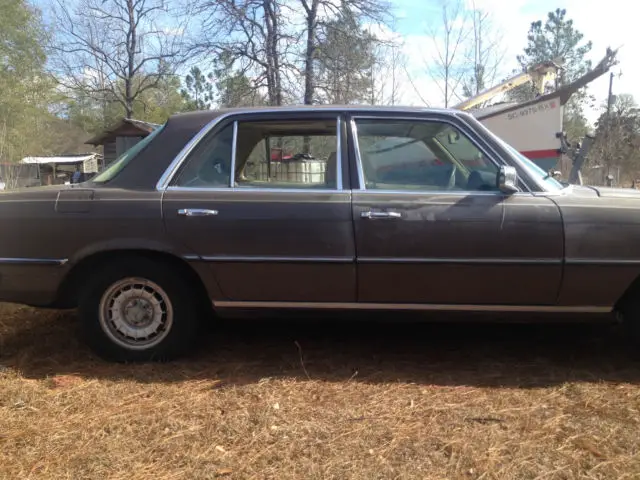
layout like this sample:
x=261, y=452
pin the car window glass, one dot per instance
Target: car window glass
x=209, y=164
x=287, y=154
x=421, y=155
x=123, y=160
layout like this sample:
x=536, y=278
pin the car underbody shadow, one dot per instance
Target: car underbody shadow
x=334, y=347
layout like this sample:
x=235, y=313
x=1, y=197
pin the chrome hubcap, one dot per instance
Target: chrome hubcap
x=136, y=313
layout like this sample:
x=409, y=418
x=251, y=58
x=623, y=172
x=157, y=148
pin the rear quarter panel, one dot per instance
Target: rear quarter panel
x=55, y=229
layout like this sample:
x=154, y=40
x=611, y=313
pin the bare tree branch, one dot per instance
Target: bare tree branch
x=446, y=68
x=114, y=48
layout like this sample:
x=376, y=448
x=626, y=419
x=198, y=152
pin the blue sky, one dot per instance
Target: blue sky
x=611, y=23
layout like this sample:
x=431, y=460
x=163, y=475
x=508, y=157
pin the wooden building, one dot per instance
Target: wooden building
x=119, y=138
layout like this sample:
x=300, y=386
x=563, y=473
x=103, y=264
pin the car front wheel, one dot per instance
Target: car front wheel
x=138, y=310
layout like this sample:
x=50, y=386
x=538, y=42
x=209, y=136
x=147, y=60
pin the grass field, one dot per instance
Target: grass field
x=322, y=400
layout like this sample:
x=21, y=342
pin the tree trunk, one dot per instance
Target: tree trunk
x=309, y=77
x=128, y=100
x=131, y=54
x=274, y=84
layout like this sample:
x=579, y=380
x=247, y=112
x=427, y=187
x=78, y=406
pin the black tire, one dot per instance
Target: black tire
x=102, y=334
x=630, y=311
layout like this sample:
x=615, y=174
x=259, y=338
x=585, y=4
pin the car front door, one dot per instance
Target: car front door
x=432, y=227
x=260, y=199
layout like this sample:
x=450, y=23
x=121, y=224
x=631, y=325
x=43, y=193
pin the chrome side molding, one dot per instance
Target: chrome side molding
x=417, y=307
x=34, y=261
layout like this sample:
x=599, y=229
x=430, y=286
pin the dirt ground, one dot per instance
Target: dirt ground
x=322, y=400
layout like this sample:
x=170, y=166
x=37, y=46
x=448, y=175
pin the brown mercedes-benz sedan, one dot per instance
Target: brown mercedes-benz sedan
x=315, y=208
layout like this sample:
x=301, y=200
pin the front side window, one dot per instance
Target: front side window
x=422, y=156
x=551, y=183
x=287, y=154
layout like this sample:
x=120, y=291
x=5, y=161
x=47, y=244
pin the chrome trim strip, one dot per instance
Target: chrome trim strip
x=356, y=146
x=472, y=261
x=264, y=259
x=256, y=190
x=234, y=149
x=459, y=193
x=416, y=306
x=338, y=153
x=601, y=262
x=34, y=261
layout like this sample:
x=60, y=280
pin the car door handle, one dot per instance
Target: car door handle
x=197, y=212
x=374, y=215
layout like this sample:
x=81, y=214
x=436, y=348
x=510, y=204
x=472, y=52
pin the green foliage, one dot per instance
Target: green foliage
x=154, y=105
x=617, y=141
x=233, y=87
x=557, y=40
x=345, y=60
x=157, y=104
x=198, y=91
x=25, y=88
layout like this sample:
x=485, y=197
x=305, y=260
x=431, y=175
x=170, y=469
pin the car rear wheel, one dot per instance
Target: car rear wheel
x=139, y=310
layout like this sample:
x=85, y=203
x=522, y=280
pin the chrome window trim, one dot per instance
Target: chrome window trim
x=463, y=129
x=338, y=153
x=416, y=306
x=280, y=259
x=164, y=182
x=602, y=262
x=463, y=260
x=234, y=150
x=33, y=261
x=460, y=193
x=356, y=147
x=175, y=164
x=256, y=190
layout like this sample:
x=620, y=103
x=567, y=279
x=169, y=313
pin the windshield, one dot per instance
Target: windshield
x=122, y=161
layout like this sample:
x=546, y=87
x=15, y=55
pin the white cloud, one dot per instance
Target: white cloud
x=174, y=31
x=609, y=25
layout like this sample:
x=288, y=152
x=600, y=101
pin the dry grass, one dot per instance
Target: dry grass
x=322, y=400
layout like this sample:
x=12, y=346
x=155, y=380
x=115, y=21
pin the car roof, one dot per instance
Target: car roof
x=208, y=115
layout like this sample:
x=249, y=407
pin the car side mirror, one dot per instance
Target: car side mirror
x=507, y=179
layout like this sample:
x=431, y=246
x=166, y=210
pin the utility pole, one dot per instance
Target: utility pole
x=610, y=97
x=608, y=130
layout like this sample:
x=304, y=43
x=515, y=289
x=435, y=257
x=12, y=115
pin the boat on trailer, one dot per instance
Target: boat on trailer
x=534, y=127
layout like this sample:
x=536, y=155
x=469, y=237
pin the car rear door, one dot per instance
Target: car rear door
x=260, y=199
x=431, y=226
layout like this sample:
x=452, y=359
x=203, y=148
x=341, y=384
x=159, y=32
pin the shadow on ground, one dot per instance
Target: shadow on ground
x=242, y=351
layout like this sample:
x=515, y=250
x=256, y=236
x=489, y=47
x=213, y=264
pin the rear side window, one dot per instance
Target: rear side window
x=124, y=159
x=209, y=164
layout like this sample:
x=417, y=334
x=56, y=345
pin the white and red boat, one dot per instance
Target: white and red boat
x=535, y=127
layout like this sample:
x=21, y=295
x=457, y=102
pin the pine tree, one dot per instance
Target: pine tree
x=199, y=90
x=557, y=39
